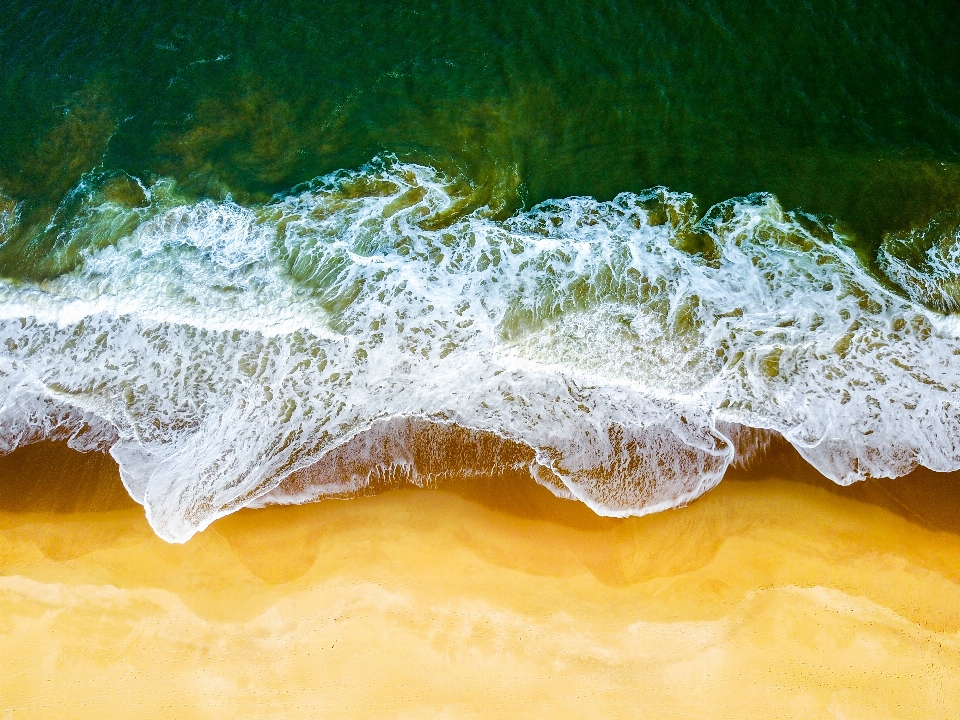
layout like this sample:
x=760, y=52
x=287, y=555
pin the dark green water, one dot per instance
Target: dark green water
x=849, y=109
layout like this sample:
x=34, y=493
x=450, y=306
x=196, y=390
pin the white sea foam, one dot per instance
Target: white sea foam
x=616, y=347
x=926, y=262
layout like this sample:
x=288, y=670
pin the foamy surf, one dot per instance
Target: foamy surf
x=626, y=351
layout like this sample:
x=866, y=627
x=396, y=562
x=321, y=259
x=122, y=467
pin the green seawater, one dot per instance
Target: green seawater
x=280, y=251
x=847, y=110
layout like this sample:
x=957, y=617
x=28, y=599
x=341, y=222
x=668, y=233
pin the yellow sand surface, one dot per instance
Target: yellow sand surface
x=766, y=598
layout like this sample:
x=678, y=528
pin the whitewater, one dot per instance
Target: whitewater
x=384, y=322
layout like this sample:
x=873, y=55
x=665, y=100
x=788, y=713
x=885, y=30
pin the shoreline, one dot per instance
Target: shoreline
x=771, y=595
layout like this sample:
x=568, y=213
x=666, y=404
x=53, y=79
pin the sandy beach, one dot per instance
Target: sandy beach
x=769, y=597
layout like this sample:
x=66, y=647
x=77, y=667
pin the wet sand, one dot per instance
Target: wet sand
x=775, y=595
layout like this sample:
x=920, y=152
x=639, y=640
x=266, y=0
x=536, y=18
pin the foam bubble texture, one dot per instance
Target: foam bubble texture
x=926, y=262
x=616, y=347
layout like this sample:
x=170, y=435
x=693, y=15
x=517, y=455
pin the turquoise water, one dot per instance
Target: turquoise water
x=267, y=251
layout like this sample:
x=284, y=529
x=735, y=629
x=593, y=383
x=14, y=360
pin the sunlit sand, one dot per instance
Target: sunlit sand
x=768, y=597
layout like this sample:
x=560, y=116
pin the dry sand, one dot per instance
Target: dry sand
x=774, y=596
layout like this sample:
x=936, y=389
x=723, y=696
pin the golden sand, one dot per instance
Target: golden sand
x=767, y=598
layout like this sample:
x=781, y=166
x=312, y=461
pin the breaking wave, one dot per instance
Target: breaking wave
x=376, y=323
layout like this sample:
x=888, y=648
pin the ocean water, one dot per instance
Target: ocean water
x=273, y=252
